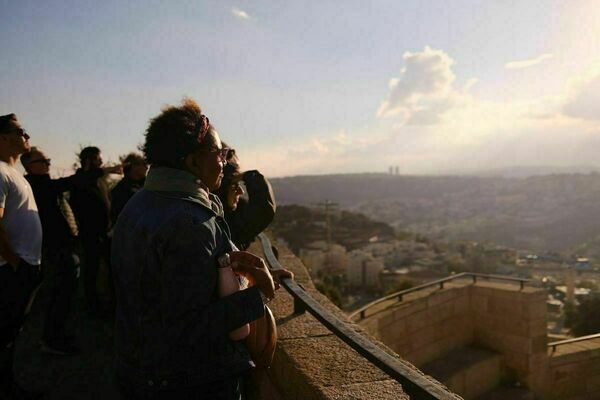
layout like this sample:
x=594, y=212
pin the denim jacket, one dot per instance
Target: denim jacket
x=171, y=326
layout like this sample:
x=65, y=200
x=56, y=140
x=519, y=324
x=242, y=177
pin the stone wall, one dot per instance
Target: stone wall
x=501, y=317
x=312, y=363
x=574, y=371
x=512, y=322
x=425, y=326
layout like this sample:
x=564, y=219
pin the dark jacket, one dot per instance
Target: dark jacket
x=56, y=228
x=252, y=215
x=90, y=203
x=171, y=326
x=120, y=195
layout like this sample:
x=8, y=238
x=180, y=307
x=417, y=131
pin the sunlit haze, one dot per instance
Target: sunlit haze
x=314, y=87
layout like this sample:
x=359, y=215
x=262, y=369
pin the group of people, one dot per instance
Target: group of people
x=183, y=290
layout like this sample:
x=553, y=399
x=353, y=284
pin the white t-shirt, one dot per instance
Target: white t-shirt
x=21, y=220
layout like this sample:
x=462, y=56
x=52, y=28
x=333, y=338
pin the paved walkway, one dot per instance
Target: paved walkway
x=85, y=376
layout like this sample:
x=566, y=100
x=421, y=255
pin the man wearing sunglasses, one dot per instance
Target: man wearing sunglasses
x=20, y=248
x=59, y=236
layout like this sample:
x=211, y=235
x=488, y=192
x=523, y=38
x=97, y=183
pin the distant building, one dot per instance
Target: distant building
x=318, y=257
x=363, y=269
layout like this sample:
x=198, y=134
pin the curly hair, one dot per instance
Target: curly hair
x=175, y=133
x=130, y=160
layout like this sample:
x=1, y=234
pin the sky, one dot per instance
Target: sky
x=314, y=87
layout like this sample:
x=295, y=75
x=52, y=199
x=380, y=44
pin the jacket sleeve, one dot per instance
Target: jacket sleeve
x=191, y=296
x=254, y=215
x=78, y=179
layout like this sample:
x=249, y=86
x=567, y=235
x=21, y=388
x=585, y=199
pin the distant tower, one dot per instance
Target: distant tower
x=570, y=284
x=397, y=170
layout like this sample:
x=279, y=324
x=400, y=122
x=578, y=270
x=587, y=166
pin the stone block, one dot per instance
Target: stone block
x=592, y=383
x=504, y=307
x=482, y=377
x=566, y=372
x=479, y=304
x=517, y=344
x=440, y=312
x=518, y=361
x=382, y=390
x=329, y=362
x=539, y=344
x=534, y=310
x=424, y=337
x=385, y=320
x=405, y=310
x=569, y=389
x=461, y=304
x=442, y=296
x=537, y=327
x=416, y=321
x=456, y=383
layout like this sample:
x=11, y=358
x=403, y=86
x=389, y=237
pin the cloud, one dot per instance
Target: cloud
x=425, y=90
x=528, y=63
x=240, y=14
x=583, y=98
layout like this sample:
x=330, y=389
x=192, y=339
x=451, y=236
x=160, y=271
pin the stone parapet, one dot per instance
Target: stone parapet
x=312, y=363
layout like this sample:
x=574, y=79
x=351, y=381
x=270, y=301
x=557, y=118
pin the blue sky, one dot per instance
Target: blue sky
x=316, y=86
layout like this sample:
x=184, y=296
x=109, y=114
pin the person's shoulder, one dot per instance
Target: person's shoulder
x=9, y=173
x=5, y=168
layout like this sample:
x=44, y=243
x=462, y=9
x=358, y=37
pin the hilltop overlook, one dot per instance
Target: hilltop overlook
x=550, y=212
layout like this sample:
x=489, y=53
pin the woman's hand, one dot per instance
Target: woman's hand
x=255, y=270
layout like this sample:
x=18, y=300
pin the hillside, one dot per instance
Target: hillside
x=552, y=212
x=300, y=226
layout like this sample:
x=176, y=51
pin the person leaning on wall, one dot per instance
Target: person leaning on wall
x=250, y=215
x=178, y=322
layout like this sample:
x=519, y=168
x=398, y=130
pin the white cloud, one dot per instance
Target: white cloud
x=583, y=98
x=433, y=125
x=241, y=14
x=529, y=62
x=425, y=90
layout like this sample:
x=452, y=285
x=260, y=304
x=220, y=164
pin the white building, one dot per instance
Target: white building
x=317, y=257
x=363, y=269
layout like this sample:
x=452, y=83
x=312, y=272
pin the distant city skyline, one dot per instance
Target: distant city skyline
x=302, y=88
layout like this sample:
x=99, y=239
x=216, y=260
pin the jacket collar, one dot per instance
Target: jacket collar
x=180, y=184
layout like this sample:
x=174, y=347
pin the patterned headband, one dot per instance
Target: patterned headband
x=202, y=127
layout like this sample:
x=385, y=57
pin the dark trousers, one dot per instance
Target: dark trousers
x=96, y=246
x=15, y=290
x=227, y=389
x=60, y=277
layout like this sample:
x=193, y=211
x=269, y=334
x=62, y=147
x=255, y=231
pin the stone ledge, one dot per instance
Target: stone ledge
x=312, y=363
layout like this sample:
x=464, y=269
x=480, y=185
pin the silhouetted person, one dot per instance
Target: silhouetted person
x=20, y=248
x=59, y=239
x=171, y=249
x=91, y=205
x=134, y=176
x=246, y=217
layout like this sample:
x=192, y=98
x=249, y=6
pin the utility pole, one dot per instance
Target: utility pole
x=328, y=206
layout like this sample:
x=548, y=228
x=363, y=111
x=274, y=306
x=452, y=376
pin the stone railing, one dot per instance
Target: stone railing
x=313, y=363
x=506, y=318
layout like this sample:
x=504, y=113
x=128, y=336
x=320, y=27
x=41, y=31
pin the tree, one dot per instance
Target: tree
x=584, y=319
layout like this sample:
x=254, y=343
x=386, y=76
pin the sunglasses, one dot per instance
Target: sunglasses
x=20, y=132
x=41, y=160
x=222, y=153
